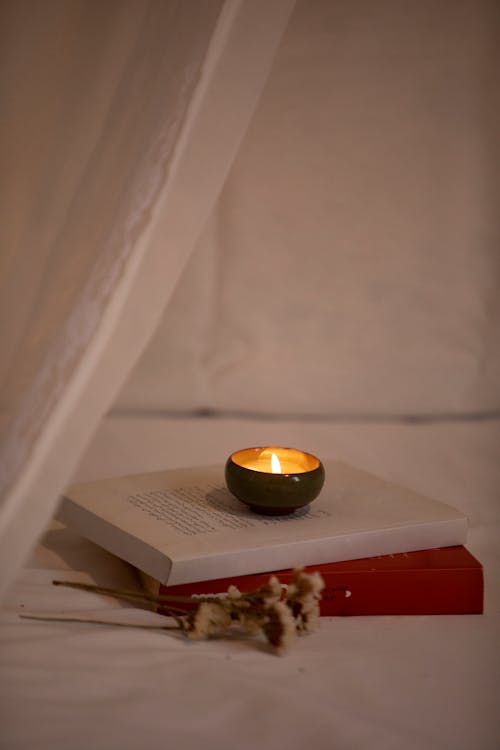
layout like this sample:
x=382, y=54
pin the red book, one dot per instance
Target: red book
x=436, y=581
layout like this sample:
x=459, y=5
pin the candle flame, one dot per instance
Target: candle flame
x=275, y=464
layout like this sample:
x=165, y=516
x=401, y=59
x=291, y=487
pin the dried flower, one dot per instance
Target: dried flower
x=280, y=618
x=263, y=610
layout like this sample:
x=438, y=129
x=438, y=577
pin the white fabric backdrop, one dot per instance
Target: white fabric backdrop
x=352, y=264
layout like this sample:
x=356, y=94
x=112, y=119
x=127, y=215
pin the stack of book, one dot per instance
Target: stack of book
x=381, y=548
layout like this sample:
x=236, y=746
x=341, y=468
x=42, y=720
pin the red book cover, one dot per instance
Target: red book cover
x=436, y=581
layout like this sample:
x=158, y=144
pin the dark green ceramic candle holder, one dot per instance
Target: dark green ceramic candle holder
x=250, y=478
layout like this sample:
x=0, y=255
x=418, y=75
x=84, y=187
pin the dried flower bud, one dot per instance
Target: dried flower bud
x=269, y=593
x=279, y=626
x=210, y=618
x=303, y=597
x=233, y=593
x=306, y=584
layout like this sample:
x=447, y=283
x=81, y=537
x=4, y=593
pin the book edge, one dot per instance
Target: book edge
x=114, y=540
x=446, y=533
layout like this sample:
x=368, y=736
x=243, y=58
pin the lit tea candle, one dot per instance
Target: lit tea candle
x=274, y=480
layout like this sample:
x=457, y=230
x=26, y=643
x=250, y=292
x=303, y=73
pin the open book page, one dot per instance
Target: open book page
x=184, y=525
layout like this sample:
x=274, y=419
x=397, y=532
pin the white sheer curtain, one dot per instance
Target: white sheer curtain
x=119, y=123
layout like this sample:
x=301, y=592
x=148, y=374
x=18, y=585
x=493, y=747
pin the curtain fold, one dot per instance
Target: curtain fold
x=120, y=122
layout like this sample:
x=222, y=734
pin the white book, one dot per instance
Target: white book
x=182, y=526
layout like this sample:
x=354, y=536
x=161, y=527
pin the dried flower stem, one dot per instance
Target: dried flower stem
x=93, y=621
x=124, y=593
x=138, y=596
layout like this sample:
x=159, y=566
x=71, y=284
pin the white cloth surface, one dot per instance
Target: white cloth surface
x=383, y=683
